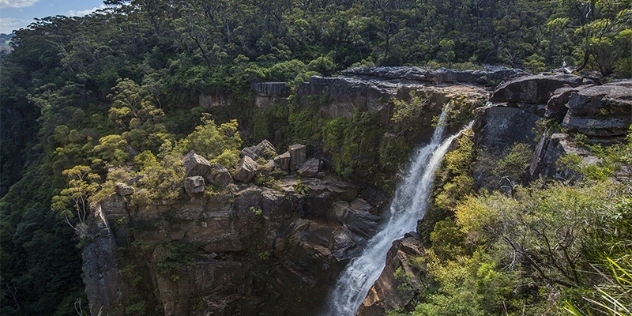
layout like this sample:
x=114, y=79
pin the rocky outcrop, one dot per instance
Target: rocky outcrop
x=123, y=189
x=556, y=107
x=601, y=111
x=264, y=149
x=549, y=150
x=536, y=89
x=395, y=288
x=212, y=100
x=344, y=95
x=485, y=76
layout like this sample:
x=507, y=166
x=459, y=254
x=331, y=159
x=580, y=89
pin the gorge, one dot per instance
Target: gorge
x=162, y=157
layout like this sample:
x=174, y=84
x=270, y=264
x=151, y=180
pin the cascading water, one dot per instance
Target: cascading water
x=408, y=206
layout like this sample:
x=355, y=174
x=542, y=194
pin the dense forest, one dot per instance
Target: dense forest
x=117, y=91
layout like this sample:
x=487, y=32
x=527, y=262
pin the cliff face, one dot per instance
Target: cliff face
x=236, y=248
x=245, y=249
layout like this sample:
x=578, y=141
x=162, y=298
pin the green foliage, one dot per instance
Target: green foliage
x=73, y=201
x=455, y=173
x=158, y=179
x=220, y=144
x=300, y=188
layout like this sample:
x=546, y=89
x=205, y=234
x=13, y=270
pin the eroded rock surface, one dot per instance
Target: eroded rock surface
x=535, y=89
x=212, y=253
x=396, y=285
x=602, y=111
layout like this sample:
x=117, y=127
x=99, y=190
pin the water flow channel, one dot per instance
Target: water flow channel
x=408, y=206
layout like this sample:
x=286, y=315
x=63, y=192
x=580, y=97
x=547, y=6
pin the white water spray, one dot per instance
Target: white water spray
x=408, y=206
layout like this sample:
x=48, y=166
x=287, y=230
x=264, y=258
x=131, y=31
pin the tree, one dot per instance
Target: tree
x=72, y=202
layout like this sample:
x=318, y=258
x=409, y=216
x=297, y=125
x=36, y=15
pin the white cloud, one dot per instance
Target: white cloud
x=17, y=3
x=7, y=25
x=84, y=12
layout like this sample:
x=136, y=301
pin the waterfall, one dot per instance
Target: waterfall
x=408, y=206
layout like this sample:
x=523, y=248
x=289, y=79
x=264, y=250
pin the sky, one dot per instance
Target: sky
x=16, y=14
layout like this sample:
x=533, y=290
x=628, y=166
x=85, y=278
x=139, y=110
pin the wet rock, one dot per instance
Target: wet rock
x=536, y=89
x=392, y=290
x=194, y=185
x=283, y=161
x=298, y=155
x=123, y=189
x=342, y=243
x=246, y=169
x=310, y=167
x=602, y=111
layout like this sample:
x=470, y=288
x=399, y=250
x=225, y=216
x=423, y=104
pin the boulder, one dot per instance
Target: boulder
x=283, y=161
x=536, y=89
x=556, y=107
x=268, y=150
x=298, y=155
x=253, y=152
x=342, y=243
x=194, y=185
x=123, y=189
x=358, y=220
x=213, y=174
x=195, y=165
x=603, y=111
x=310, y=167
x=218, y=176
x=246, y=169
